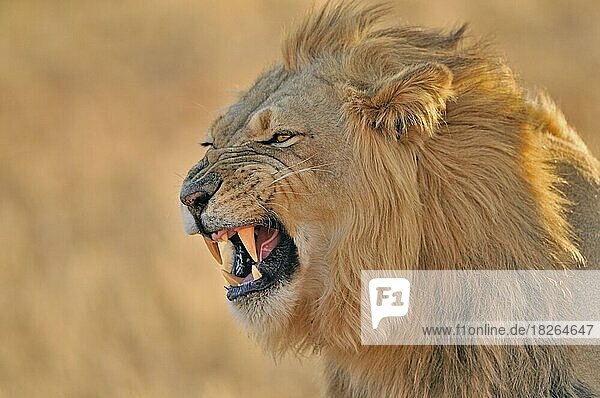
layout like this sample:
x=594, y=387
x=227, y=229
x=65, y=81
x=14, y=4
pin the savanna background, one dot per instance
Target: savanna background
x=102, y=104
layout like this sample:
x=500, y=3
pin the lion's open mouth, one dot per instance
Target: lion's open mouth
x=254, y=257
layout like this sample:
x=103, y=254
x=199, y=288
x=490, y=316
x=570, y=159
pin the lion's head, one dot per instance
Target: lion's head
x=370, y=147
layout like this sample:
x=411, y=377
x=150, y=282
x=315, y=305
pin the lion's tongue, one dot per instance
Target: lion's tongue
x=266, y=240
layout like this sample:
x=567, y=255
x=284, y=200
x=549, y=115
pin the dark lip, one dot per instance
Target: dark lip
x=278, y=267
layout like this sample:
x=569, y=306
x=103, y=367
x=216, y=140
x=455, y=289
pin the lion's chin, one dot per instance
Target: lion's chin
x=259, y=263
x=265, y=305
x=266, y=313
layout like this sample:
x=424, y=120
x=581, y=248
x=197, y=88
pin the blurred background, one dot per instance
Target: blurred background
x=102, y=104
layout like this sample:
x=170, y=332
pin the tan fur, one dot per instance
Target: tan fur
x=435, y=159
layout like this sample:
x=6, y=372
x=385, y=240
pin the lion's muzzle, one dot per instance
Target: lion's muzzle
x=197, y=189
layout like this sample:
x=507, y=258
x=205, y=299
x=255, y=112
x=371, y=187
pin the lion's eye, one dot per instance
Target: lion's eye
x=282, y=139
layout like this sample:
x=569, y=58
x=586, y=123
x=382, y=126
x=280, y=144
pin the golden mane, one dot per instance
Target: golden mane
x=479, y=174
x=341, y=27
x=350, y=45
x=455, y=170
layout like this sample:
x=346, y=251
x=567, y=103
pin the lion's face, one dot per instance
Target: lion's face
x=335, y=163
x=266, y=192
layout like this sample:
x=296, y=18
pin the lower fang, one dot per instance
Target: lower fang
x=256, y=273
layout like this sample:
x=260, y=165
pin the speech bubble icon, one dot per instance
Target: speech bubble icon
x=389, y=297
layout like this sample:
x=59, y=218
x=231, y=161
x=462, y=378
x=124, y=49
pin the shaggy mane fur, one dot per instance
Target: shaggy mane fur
x=457, y=170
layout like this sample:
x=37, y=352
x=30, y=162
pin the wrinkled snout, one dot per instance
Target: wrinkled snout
x=198, y=187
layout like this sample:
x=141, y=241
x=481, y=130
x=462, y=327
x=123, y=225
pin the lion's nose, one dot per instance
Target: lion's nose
x=196, y=192
x=196, y=199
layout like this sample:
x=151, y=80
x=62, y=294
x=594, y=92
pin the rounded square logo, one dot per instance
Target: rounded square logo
x=389, y=297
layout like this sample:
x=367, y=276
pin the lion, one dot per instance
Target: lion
x=377, y=146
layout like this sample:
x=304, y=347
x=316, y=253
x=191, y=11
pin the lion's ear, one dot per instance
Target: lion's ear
x=413, y=98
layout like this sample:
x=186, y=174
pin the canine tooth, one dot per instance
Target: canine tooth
x=256, y=273
x=213, y=248
x=246, y=235
x=231, y=279
x=226, y=255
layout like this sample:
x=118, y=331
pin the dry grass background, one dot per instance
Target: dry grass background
x=101, y=106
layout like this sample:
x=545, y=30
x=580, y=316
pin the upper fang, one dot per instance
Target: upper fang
x=213, y=248
x=246, y=235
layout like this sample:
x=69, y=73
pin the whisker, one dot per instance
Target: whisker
x=278, y=204
x=267, y=211
x=294, y=165
x=312, y=168
x=297, y=193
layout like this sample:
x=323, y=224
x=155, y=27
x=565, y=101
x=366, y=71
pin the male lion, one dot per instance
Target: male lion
x=392, y=146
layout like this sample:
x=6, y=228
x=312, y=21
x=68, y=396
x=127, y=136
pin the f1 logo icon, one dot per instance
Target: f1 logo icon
x=389, y=297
